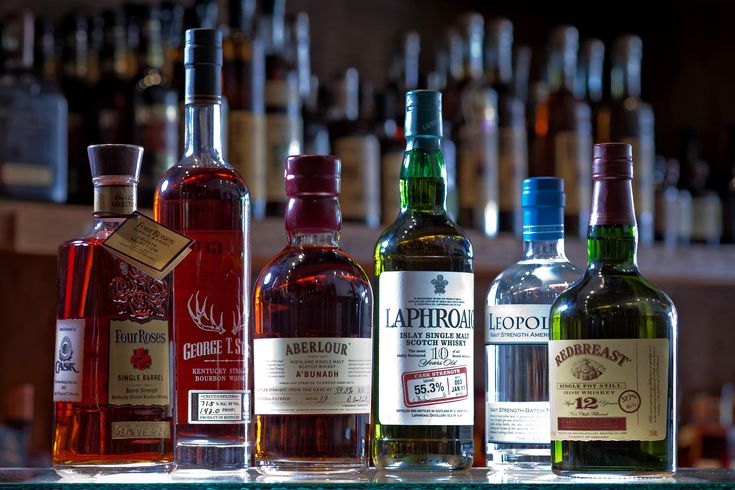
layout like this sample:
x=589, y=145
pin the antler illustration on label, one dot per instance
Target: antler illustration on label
x=203, y=320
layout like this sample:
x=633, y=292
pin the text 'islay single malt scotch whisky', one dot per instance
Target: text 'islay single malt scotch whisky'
x=204, y=198
x=612, y=347
x=113, y=397
x=423, y=408
x=312, y=347
x=517, y=331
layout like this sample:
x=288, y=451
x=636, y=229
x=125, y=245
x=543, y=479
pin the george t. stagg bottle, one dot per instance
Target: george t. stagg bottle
x=612, y=347
x=423, y=391
x=312, y=348
x=517, y=331
x=204, y=198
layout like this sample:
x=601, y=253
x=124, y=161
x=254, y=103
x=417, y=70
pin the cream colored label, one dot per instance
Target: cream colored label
x=609, y=389
x=118, y=199
x=513, y=166
x=390, y=191
x=141, y=430
x=312, y=375
x=139, y=360
x=573, y=156
x=360, y=183
x=280, y=93
x=69, y=360
x=247, y=150
x=26, y=174
x=517, y=422
x=283, y=138
x=148, y=245
x=644, y=161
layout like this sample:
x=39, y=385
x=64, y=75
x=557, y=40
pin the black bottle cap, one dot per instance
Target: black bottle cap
x=203, y=62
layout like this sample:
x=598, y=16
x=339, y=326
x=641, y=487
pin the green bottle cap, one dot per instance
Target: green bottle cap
x=423, y=113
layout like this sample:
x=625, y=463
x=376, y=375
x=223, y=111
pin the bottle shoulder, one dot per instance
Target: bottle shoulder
x=423, y=234
x=199, y=175
x=532, y=282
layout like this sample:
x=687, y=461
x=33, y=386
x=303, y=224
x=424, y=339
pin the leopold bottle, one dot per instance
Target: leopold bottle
x=312, y=346
x=517, y=330
x=612, y=347
x=424, y=324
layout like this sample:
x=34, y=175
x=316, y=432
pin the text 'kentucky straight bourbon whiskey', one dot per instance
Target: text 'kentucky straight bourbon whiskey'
x=312, y=347
x=205, y=199
x=424, y=324
x=112, y=371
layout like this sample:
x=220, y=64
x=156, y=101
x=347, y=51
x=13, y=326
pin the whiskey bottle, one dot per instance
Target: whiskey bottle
x=423, y=393
x=111, y=90
x=45, y=60
x=113, y=395
x=33, y=119
x=205, y=199
x=312, y=348
x=612, y=347
x=563, y=140
x=244, y=84
x=517, y=331
x=588, y=87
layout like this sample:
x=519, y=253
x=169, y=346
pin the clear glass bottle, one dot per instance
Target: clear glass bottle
x=517, y=328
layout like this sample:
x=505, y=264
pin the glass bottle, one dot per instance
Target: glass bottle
x=45, y=61
x=33, y=134
x=154, y=107
x=612, y=347
x=563, y=129
x=313, y=310
x=112, y=89
x=113, y=394
x=423, y=412
x=244, y=85
x=517, y=331
x=313, y=108
x=205, y=199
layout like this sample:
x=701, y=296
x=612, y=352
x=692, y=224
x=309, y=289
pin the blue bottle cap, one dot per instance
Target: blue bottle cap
x=542, y=199
x=423, y=114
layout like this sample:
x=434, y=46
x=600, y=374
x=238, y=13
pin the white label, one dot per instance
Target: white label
x=360, y=195
x=391, y=192
x=517, y=422
x=573, y=156
x=216, y=407
x=517, y=324
x=426, y=322
x=312, y=375
x=69, y=360
x=609, y=390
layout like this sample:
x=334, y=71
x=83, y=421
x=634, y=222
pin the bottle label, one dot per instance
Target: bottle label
x=211, y=311
x=139, y=363
x=478, y=168
x=426, y=322
x=311, y=375
x=517, y=422
x=141, y=430
x=246, y=149
x=609, y=389
x=283, y=138
x=159, y=136
x=573, y=156
x=118, y=199
x=360, y=182
x=517, y=324
x=391, y=163
x=69, y=360
x=26, y=175
x=513, y=166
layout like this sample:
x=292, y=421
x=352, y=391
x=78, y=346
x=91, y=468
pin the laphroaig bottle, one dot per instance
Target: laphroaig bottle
x=423, y=409
x=204, y=198
x=312, y=346
x=612, y=347
x=517, y=331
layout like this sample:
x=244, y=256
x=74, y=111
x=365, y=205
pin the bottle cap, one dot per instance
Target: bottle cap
x=203, y=62
x=612, y=193
x=612, y=161
x=117, y=160
x=312, y=186
x=542, y=199
x=423, y=114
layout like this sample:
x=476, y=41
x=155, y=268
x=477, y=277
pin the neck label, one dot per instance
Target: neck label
x=115, y=199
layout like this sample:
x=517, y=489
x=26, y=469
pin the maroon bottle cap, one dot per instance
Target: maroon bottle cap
x=312, y=186
x=612, y=161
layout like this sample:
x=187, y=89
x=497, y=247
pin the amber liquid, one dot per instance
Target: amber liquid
x=208, y=202
x=83, y=429
x=312, y=291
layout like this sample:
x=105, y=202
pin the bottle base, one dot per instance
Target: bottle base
x=424, y=462
x=308, y=468
x=211, y=457
x=95, y=470
x=610, y=474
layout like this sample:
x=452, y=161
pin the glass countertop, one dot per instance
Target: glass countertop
x=475, y=478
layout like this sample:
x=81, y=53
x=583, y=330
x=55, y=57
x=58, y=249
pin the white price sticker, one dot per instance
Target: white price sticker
x=218, y=407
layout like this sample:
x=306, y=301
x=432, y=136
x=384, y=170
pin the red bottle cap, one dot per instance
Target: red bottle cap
x=612, y=161
x=612, y=193
x=312, y=185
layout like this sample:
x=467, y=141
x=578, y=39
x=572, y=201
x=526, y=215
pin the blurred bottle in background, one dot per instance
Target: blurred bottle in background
x=111, y=91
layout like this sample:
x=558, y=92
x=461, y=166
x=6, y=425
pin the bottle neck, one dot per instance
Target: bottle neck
x=77, y=64
x=115, y=196
x=423, y=181
x=625, y=78
x=543, y=249
x=306, y=239
x=202, y=130
x=612, y=236
x=272, y=29
x=151, y=48
x=562, y=66
x=499, y=66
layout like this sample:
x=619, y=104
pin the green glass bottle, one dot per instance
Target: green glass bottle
x=612, y=348
x=423, y=337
